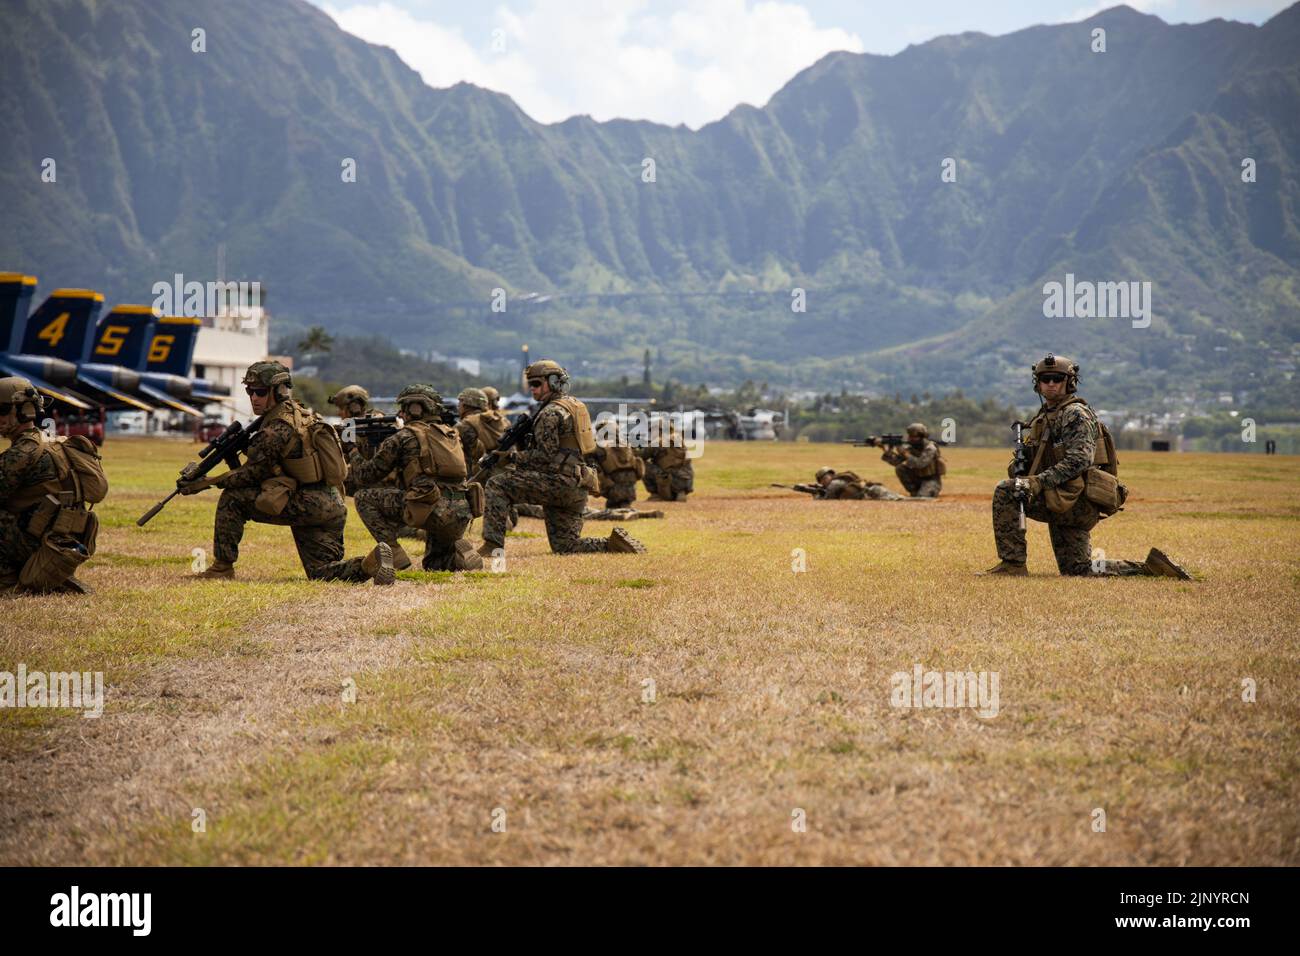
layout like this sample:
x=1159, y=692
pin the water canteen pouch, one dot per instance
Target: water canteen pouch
x=418, y=505
x=1105, y=491
x=589, y=479
x=474, y=495
x=275, y=493
x=50, y=565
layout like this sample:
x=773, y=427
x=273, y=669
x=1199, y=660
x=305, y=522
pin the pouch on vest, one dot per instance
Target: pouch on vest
x=50, y=565
x=474, y=496
x=418, y=505
x=1105, y=491
x=275, y=493
x=589, y=478
x=1061, y=499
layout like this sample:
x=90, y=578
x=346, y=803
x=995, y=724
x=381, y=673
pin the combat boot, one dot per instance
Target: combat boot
x=1009, y=568
x=623, y=543
x=1158, y=565
x=378, y=564
x=217, y=570
x=485, y=551
x=401, y=560
x=466, y=557
x=73, y=586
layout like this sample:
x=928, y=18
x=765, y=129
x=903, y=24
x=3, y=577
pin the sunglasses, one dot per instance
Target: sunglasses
x=259, y=392
x=1051, y=378
x=534, y=383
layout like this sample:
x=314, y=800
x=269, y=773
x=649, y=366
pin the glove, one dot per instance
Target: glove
x=193, y=487
x=1031, y=486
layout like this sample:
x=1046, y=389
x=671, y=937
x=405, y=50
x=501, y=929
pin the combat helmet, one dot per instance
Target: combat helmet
x=473, y=398
x=20, y=393
x=346, y=397
x=918, y=428
x=552, y=372
x=271, y=375
x=493, y=396
x=1061, y=365
x=425, y=395
x=823, y=472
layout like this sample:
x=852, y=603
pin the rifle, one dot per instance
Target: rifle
x=883, y=441
x=814, y=490
x=225, y=447
x=1020, y=469
x=512, y=436
x=373, y=430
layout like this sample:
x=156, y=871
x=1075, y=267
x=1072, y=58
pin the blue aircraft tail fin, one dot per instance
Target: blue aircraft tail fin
x=123, y=336
x=61, y=326
x=171, y=349
x=16, y=292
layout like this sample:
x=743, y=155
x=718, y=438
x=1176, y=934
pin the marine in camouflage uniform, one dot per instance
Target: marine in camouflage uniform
x=619, y=514
x=550, y=471
x=918, y=464
x=847, y=485
x=314, y=512
x=1068, y=444
x=472, y=404
x=354, y=402
x=669, y=474
x=619, y=467
x=382, y=508
x=25, y=470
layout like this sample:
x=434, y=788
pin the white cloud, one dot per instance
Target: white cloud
x=669, y=62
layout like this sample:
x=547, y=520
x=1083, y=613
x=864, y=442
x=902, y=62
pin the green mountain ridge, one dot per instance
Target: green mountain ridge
x=1115, y=166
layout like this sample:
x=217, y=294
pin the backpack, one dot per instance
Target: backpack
x=322, y=458
x=441, y=454
x=80, y=468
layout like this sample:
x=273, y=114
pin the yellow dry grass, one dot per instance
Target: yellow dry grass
x=519, y=697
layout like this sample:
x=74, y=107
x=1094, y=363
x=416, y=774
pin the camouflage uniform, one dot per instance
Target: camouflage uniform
x=1074, y=431
x=21, y=466
x=545, y=474
x=849, y=489
x=619, y=514
x=381, y=508
x=669, y=474
x=363, y=447
x=617, y=465
x=916, y=465
x=315, y=512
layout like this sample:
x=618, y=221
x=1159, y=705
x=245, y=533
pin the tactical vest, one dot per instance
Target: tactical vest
x=936, y=468
x=1098, y=482
x=441, y=454
x=619, y=458
x=25, y=497
x=490, y=427
x=320, y=452
x=582, y=439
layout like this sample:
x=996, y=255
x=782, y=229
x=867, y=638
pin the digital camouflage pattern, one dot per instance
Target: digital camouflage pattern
x=366, y=449
x=671, y=484
x=620, y=514
x=1074, y=433
x=544, y=474
x=853, y=490
x=915, y=466
x=22, y=465
x=316, y=513
x=381, y=508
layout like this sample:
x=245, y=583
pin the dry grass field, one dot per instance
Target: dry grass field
x=520, y=698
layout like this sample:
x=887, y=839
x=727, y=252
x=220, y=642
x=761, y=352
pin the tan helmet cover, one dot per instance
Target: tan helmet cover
x=473, y=398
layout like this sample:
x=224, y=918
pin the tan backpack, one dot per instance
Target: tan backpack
x=322, y=458
x=490, y=427
x=441, y=454
x=81, y=468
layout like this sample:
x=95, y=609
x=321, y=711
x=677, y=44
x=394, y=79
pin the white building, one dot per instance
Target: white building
x=228, y=342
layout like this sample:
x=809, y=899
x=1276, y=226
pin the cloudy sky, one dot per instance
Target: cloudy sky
x=687, y=61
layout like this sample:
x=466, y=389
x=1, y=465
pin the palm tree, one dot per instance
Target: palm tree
x=317, y=340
